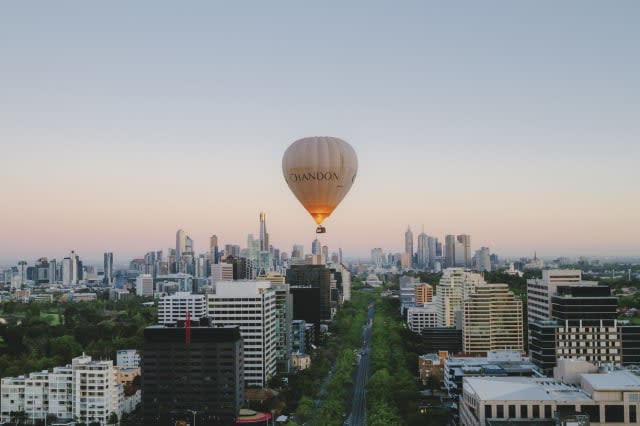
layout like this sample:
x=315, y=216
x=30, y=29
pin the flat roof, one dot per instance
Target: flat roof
x=523, y=389
x=614, y=380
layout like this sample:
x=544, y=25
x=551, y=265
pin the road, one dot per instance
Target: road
x=358, y=413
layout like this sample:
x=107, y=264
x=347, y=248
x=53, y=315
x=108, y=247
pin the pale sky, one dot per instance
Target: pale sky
x=517, y=123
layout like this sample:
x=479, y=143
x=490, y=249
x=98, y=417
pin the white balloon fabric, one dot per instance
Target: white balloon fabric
x=320, y=171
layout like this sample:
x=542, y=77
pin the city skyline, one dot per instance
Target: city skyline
x=512, y=123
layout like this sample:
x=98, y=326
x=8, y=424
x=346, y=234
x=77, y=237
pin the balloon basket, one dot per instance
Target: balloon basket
x=321, y=230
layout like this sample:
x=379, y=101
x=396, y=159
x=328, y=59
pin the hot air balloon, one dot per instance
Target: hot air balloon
x=320, y=171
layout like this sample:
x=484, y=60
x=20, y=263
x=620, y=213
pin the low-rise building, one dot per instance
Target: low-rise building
x=605, y=398
x=495, y=364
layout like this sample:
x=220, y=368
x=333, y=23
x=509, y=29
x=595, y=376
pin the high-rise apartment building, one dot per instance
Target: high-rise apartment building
x=454, y=286
x=541, y=290
x=199, y=379
x=174, y=308
x=284, y=317
x=424, y=293
x=252, y=306
x=407, y=292
x=492, y=320
x=583, y=325
x=108, y=268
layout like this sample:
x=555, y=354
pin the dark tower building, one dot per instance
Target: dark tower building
x=199, y=377
x=310, y=288
x=584, y=325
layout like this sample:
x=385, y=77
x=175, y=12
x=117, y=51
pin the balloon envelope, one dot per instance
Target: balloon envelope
x=320, y=171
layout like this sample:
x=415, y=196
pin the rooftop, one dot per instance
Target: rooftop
x=523, y=388
x=614, y=380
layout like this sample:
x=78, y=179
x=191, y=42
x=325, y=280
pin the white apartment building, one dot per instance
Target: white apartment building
x=221, y=272
x=129, y=358
x=540, y=291
x=492, y=320
x=419, y=317
x=408, y=291
x=454, y=286
x=252, y=306
x=61, y=392
x=346, y=282
x=174, y=308
x=85, y=389
x=144, y=285
x=96, y=395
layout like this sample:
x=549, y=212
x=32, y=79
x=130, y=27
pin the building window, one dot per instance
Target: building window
x=512, y=411
x=536, y=412
x=593, y=411
x=500, y=413
x=614, y=413
x=547, y=411
x=632, y=414
x=488, y=412
x=523, y=412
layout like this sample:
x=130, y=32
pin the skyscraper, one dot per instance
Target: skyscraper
x=108, y=268
x=181, y=243
x=482, y=259
x=465, y=245
x=264, y=236
x=450, y=250
x=297, y=252
x=457, y=250
x=432, y=244
x=408, y=243
x=316, y=247
x=422, y=254
x=214, y=252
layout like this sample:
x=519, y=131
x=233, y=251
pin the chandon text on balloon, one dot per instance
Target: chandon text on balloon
x=301, y=177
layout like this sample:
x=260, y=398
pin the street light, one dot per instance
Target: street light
x=194, y=416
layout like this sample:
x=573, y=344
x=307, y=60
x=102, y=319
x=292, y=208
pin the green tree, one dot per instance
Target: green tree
x=113, y=419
